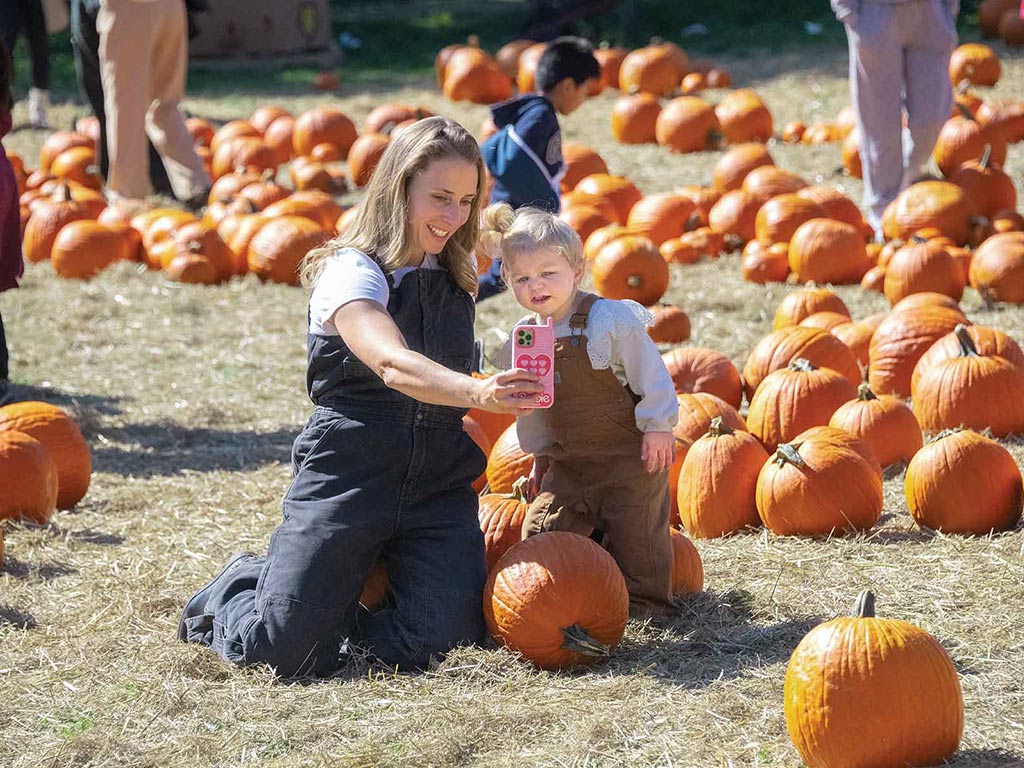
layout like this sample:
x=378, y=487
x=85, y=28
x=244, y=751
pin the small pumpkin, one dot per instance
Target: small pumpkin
x=84, y=248
x=732, y=167
x=280, y=245
x=687, y=567
x=735, y=215
x=964, y=138
x=779, y=218
x=930, y=204
x=844, y=663
x=557, y=598
x=744, y=117
x=619, y=191
x=671, y=324
x=765, y=263
x=963, y=482
x=580, y=162
x=997, y=268
x=651, y=69
x=323, y=125
x=49, y=216
x=660, y=217
x=987, y=341
x=767, y=181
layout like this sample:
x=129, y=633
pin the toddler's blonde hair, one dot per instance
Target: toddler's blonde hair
x=506, y=234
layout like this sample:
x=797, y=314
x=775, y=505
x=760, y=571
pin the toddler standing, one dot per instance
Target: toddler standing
x=603, y=450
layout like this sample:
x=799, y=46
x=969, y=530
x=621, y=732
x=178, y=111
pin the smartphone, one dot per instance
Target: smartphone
x=533, y=349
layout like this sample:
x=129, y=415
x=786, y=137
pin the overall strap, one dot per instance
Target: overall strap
x=387, y=275
x=578, y=321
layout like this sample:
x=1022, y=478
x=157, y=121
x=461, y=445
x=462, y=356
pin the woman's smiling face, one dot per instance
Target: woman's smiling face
x=440, y=200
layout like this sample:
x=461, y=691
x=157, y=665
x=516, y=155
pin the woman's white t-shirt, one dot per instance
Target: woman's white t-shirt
x=348, y=275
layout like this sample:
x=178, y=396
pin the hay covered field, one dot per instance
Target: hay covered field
x=190, y=397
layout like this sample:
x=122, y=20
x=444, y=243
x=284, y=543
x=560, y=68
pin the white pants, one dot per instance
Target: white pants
x=899, y=60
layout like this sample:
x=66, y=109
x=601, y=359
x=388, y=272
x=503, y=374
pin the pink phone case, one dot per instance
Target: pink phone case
x=533, y=349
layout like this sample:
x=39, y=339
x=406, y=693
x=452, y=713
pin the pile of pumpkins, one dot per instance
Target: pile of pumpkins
x=251, y=223
x=45, y=463
x=466, y=72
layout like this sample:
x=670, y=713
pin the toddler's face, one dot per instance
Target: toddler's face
x=544, y=282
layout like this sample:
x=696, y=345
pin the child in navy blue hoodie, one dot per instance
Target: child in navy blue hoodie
x=525, y=156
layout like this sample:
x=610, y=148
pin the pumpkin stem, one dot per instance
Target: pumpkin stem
x=801, y=364
x=864, y=392
x=967, y=348
x=787, y=453
x=634, y=281
x=986, y=156
x=965, y=113
x=864, y=608
x=918, y=239
x=719, y=427
x=519, y=489
x=62, y=193
x=945, y=433
x=577, y=639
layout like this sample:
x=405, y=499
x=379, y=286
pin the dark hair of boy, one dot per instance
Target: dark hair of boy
x=6, y=97
x=566, y=57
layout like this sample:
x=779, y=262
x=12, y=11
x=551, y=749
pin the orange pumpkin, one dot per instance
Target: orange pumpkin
x=501, y=520
x=735, y=215
x=652, y=69
x=923, y=266
x=585, y=219
x=804, y=302
x=743, y=117
x=698, y=369
x=717, y=482
x=59, y=142
x=778, y=219
x=962, y=139
x=827, y=251
x=779, y=348
x=836, y=206
x=687, y=567
x=939, y=204
x=990, y=13
x=732, y=168
x=28, y=478
x=899, y=342
x=845, y=662
x=630, y=268
x=687, y=124
x=634, y=118
x=987, y=341
x=507, y=462
x=580, y=162
x=323, y=125
x=509, y=54
x=885, y=422
x=49, y=216
x=660, y=217
x=997, y=268
x=818, y=486
x=610, y=60
x=280, y=245
x=61, y=438
x=765, y=263
x=944, y=491
x=619, y=191
x=84, y=248
x=970, y=389
x=766, y=181
x=477, y=79
x=671, y=324
x=557, y=598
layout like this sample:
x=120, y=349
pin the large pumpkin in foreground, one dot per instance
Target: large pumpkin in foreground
x=864, y=692
x=557, y=598
x=63, y=440
x=28, y=478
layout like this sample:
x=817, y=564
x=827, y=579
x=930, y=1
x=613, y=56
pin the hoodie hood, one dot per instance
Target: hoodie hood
x=510, y=111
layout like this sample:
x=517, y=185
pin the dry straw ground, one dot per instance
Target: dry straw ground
x=190, y=398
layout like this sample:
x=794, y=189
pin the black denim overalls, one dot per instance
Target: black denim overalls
x=377, y=474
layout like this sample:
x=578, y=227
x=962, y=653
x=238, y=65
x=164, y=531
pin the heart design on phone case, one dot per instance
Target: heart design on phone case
x=541, y=364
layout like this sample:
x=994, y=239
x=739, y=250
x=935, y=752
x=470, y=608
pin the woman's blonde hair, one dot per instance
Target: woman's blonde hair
x=506, y=234
x=381, y=225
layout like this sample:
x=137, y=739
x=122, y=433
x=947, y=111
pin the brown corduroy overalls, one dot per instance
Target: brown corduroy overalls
x=597, y=479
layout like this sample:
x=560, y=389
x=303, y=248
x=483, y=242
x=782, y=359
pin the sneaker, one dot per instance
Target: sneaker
x=196, y=605
x=38, y=104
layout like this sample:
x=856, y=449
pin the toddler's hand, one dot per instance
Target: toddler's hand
x=658, y=451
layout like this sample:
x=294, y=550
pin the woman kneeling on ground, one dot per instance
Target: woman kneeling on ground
x=383, y=468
